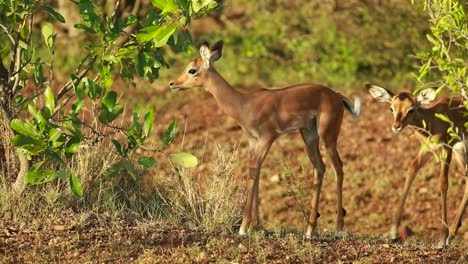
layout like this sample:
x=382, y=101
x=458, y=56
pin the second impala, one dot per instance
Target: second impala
x=315, y=110
x=419, y=113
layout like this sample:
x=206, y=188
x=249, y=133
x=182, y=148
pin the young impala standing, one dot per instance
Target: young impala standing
x=315, y=110
x=419, y=113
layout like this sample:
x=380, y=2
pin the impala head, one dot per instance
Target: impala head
x=195, y=73
x=403, y=105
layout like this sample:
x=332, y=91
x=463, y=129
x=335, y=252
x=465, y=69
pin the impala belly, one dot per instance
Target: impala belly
x=287, y=122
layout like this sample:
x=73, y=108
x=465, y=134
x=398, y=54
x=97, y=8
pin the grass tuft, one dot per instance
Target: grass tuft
x=210, y=202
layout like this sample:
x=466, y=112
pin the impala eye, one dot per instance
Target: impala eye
x=192, y=71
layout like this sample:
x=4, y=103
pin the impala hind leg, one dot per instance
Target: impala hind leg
x=311, y=140
x=416, y=164
x=338, y=167
x=460, y=156
x=458, y=218
x=258, y=151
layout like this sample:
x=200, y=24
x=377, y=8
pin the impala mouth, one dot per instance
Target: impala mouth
x=397, y=129
x=177, y=88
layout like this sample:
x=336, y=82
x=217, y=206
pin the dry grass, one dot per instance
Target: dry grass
x=210, y=202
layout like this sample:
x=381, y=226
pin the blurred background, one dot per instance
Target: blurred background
x=278, y=42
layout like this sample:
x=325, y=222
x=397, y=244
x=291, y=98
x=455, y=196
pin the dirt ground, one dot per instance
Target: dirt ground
x=376, y=161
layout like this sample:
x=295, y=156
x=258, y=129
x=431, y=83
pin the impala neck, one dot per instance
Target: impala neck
x=426, y=114
x=228, y=98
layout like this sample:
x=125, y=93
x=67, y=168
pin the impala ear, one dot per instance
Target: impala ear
x=205, y=54
x=216, y=51
x=380, y=93
x=426, y=96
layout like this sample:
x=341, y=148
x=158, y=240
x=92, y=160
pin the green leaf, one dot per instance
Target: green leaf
x=24, y=31
x=62, y=175
x=38, y=75
x=110, y=110
x=158, y=34
x=110, y=99
x=170, y=133
x=147, y=162
x=37, y=115
x=166, y=6
x=119, y=148
x=24, y=128
x=105, y=76
x=129, y=168
x=443, y=117
x=163, y=35
x=148, y=123
x=84, y=27
x=73, y=145
x=23, y=141
x=113, y=169
x=53, y=155
x=54, y=134
x=75, y=185
x=47, y=32
x=184, y=159
x=40, y=176
x=53, y=13
x=200, y=4
x=49, y=99
x=130, y=20
x=106, y=116
x=4, y=52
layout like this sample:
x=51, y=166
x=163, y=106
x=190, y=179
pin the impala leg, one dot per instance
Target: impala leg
x=460, y=156
x=416, y=164
x=457, y=223
x=443, y=181
x=338, y=167
x=259, y=150
x=311, y=141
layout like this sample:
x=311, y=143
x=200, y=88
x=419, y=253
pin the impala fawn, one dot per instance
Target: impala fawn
x=418, y=112
x=315, y=110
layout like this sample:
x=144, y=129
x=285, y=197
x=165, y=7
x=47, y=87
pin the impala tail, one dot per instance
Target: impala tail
x=353, y=110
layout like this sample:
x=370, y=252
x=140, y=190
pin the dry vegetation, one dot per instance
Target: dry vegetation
x=190, y=215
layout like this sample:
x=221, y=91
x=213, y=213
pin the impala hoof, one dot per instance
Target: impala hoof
x=339, y=234
x=242, y=232
x=393, y=234
x=442, y=244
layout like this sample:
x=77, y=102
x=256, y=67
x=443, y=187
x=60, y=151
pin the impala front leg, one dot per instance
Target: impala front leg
x=259, y=150
x=443, y=180
x=417, y=163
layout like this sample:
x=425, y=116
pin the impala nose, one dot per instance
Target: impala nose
x=171, y=83
x=396, y=128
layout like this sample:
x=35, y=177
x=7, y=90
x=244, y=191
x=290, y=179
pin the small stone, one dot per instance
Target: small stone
x=59, y=228
x=423, y=190
x=275, y=178
x=242, y=248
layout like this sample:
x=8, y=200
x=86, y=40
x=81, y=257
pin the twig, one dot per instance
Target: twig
x=8, y=33
x=67, y=87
